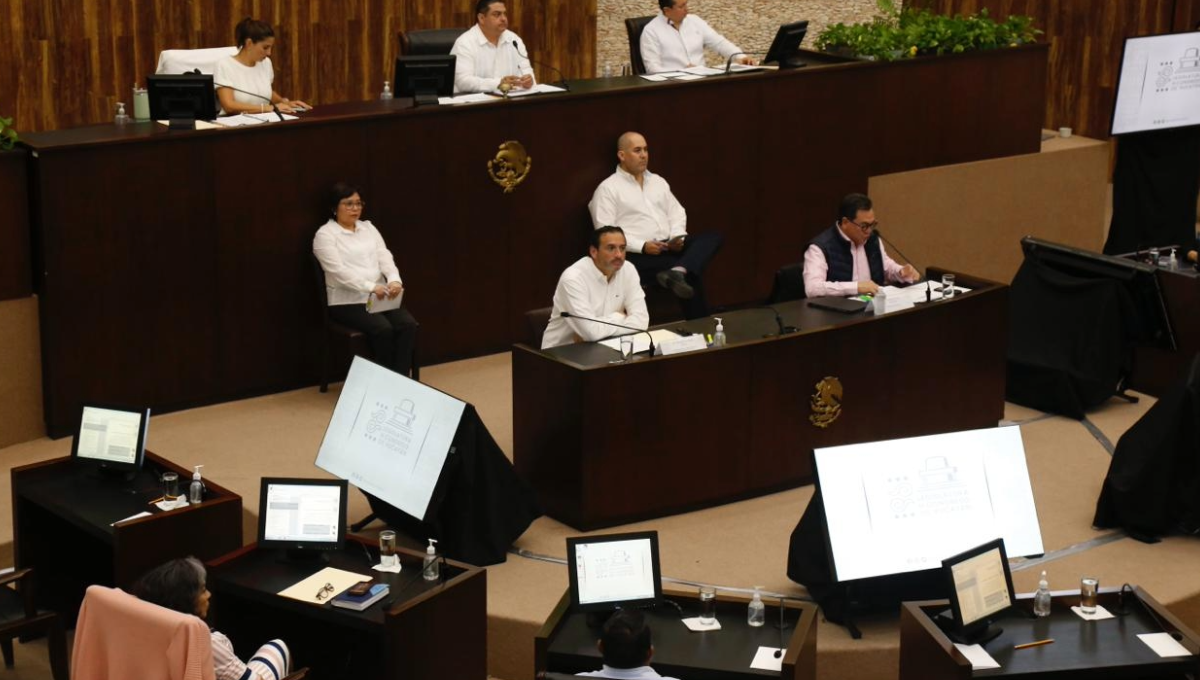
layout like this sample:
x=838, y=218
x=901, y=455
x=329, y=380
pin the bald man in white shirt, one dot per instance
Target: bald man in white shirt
x=675, y=40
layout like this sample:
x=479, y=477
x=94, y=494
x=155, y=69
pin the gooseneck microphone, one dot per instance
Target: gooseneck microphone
x=253, y=94
x=779, y=652
x=569, y=315
x=562, y=79
x=729, y=61
x=783, y=330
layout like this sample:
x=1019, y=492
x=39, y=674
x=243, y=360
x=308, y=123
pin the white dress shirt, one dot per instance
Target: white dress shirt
x=481, y=65
x=354, y=261
x=667, y=49
x=646, y=211
x=257, y=79
x=639, y=673
x=816, y=269
x=583, y=289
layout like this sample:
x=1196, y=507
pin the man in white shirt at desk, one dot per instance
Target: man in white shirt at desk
x=669, y=43
x=626, y=647
x=490, y=55
x=600, y=286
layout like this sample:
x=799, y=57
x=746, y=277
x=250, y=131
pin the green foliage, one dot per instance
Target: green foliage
x=900, y=34
x=8, y=136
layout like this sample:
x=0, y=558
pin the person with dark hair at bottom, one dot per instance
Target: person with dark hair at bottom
x=600, y=286
x=179, y=585
x=359, y=266
x=655, y=224
x=626, y=647
x=250, y=70
x=848, y=258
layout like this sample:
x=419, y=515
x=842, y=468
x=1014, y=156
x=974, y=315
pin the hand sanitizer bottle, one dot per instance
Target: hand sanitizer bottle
x=756, y=613
x=719, y=335
x=429, y=571
x=196, y=488
x=386, y=95
x=1041, y=599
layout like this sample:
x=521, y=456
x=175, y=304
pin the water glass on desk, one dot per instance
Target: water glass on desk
x=947, y=286
x=387, y=548
x=708, y=604
x=170, y=486
x=1088, y=588
x=626, y=347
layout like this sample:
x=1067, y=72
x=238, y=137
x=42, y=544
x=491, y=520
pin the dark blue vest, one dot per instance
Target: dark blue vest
x=839, y=259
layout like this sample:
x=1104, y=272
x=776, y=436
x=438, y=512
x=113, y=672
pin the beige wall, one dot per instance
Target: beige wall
x=749, y=23
x=971, y=217
x=20, y=372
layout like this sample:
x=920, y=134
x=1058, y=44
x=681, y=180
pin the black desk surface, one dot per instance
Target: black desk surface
x=679, y=652
x=259, y=574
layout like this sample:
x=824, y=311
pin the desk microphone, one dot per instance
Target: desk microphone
x=928, y=283
x=568, y=315
x=783, y=330
x=729, y=61
x=252, y=94
x=779, y=652
x=562, y=82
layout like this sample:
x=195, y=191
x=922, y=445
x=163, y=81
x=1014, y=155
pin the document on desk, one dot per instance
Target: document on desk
x=703, y=71
x=375, y=305
x=475, y=98
x=540, y=88
x=978, y=656
x=313, y=589
x=1164, y=645
x=641, y=342
x=200, y=124
x=765, y=659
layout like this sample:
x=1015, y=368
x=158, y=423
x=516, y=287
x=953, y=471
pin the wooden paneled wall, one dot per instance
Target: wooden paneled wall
x=1086, y=37
x=67, y=62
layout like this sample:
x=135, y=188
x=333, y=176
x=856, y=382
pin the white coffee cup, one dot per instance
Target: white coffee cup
x=1064, y=132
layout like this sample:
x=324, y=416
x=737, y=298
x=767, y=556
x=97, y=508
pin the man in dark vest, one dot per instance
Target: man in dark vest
x=848, y=258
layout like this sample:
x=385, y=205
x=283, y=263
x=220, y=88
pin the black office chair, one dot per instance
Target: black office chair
x=789, y=284
x=429, y=41
x=19, y=616
x=536, y=321
x=356, y=340
x=634, y=28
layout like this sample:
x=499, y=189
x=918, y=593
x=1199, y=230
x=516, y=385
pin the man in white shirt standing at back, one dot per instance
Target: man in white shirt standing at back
x=489, y=54
x=675, y=40
x=600, y=286
x=655, y=224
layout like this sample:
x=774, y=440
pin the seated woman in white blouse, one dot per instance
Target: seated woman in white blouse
x=357, y=266
x=250, y=71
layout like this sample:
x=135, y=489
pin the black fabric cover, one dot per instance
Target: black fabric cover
x=1069, y=344
x=479, y=506
x=789, y=284
x=1155, y=184
x=1153, y=482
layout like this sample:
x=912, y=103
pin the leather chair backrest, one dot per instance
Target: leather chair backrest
x=789, y=284
x=429, y=41
x=634, y=28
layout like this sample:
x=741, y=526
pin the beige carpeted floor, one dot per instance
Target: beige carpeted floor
x=736, y=546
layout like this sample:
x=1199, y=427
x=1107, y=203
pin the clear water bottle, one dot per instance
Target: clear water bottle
x=121, y=118
x=756, y=613
x=386, y=95
x=1041, y=599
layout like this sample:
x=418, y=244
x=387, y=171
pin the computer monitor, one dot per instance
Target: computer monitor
x=786, y=45
x=304, y=517
x=614, y=571
x=182, y=99
x=425, y=77
x=981, y=591
x=113, y=438
x=1152, y=324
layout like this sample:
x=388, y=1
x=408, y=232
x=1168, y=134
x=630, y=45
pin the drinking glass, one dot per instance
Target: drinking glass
x=947, y=286
x=626, y=347
x=170, y=486
x=1088, y=587
x=708, y=604
x=387, y=548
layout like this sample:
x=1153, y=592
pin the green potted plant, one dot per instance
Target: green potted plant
x=8, y=136
x=897, y=33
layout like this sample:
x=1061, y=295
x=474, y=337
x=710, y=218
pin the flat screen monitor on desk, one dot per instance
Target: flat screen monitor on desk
x=182, y=99
x=112, y=438
x=979, y=583
x=425, y=77
x=786, y=44
x=305, y=517
x=614, y=571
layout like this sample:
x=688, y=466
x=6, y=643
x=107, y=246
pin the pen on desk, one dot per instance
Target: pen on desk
x=1038, y=643
x=157, y=500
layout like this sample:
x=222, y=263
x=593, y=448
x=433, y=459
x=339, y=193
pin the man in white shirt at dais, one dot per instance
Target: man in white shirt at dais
x=489, y=54
x=675, y=40
x=599, y=286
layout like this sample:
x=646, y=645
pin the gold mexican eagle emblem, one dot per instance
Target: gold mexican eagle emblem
x=826, y=402
x=511, y=165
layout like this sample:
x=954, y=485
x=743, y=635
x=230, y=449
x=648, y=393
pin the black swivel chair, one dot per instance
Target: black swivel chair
x=789, y=284
x=536, y=321
x=429, y=41
x=634, y=28
x=356, y=341
x=19, y=616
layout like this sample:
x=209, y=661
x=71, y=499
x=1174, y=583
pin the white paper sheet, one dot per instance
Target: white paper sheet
x=704, y=71
x=695, y=625
x=1100, y=615
x=688, y=76
x=474, y=98
x=978, y=656
x=375, y=305
x=641, y=342
x=765, y=659
x=140, y=514
x=238, y=120
x=654, y=78
x=1164, y=645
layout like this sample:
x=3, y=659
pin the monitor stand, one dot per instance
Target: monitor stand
x=182, y=123
x=122, y=478
x=425, y=98
x=301, y=556
x=976, y=634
